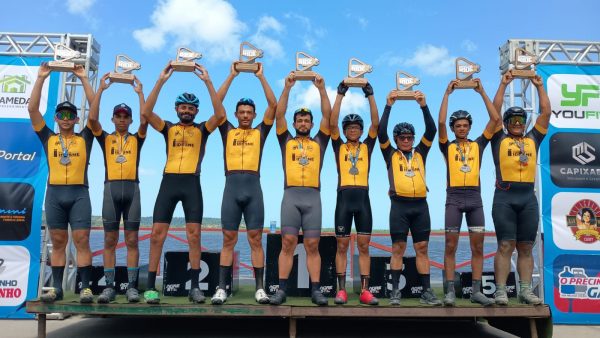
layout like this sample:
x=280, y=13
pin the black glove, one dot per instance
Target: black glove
x=342, y=88
x=368, y=90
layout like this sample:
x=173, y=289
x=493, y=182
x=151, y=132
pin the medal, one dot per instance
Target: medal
x=409, y=173
x=303, y=161
x=409, y=170
x=65, y=160
x=353, y=158
x=353, y=171
x=120, y=159
x=464, y=157
x=465, y=168
x=303, y=158
x=523, y=158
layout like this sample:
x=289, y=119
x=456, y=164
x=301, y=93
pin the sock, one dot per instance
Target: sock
x=396, y=279
x=476, y=286
x=151, y=280
x=194, y=275
x=450, y=286
x=57, y=277
x=85, y=272
x=364, y=282
x=501, y=287
x=425, y=281
x=341, y=278
x=283, y=284
x=109, y=275
x=524, y=284
x=315, y=286
x=259, y=275
x=132, y=275
x=224, y=274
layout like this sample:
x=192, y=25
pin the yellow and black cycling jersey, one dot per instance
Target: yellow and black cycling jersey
x=185, y=147
x=463, y=162
x=303, y=158
x=516, y=157
x=348, y=157
x=242, y=148
x=68, y=157
x=121, y=155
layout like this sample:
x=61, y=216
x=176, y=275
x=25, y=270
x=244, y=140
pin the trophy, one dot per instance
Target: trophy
x=185, y=60
x=62, y=58
x=464, y=73
x=304, y=64
x=524, y=64
x=124, y=65
x=404, y=84
x=356, y=72
x=248, y=56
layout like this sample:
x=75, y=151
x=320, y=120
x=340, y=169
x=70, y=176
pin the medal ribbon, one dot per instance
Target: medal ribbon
x=408, y=163
x=301, y=147
x=65, y=149
x=464, y=156
x=521, y=145
x=353, y=158
x=122, y=143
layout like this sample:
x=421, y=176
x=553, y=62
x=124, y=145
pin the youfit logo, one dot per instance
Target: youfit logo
x=582, y=220
x=575, y=100
x=581, y=96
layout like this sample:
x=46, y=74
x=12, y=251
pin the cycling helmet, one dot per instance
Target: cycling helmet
x=403, y=128
x=352, y=119
x=460, y=115
x=187, y=98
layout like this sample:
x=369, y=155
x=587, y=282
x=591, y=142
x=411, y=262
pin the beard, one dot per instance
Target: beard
x=186, y=118
x=302, y=133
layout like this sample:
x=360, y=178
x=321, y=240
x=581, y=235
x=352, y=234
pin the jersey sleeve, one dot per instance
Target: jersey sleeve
x=101, y=138
x=165, y=130
x=224, y=128
x=283, y=138
x=322, y=139
x=264, y=128
x=336, y=144
x=370, y=142
x=444, y=144
x=537, y=133
x=497, y=136
x=43, y=132
x=482, y=141
x=140, y=139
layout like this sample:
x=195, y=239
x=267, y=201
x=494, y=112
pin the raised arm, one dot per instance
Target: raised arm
x=34, y=101
x=280, y=122
x=222, y=92
x=148, y=108
x=335, y=112
x=545, y=110
x=269, y=95
x=443, y=116
x=368, y=90
x=93, y=118
x=219, y=114
x=492, y=124
x=139, y=89
x=499, y=97
x=430, y=129
x=325, y=103
x=81, y=73
x=383, y=124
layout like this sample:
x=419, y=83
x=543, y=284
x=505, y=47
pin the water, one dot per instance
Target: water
x=212, y=240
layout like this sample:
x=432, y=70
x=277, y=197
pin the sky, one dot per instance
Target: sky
x=422, y=38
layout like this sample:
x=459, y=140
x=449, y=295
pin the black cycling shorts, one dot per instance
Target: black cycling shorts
x=242, y=196
x=468, y=202
x=68, y=204
x=410, y=215
x=121, y=199
x=353, y=203
x=516, y=213
x=175, y=188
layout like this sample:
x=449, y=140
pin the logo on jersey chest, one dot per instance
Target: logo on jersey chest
x=58, y=153
x=242, y=142
x=115, y=150
x=457, y=158
x=182, y=144
x=516, y=152
x=346, y=158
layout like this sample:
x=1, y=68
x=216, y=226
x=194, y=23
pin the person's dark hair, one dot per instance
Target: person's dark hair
x=303, y=112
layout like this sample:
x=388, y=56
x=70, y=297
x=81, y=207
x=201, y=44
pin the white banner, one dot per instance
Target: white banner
x=16, y=83
x=575, y=100
x=14, y=274
x=575, y=221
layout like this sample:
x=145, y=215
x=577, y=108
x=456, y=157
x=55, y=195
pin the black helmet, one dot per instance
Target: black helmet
x=460, y=115
x=352, y=119
x=404, y=128
x=187, y=98
x=66, y=105
x=514, y=111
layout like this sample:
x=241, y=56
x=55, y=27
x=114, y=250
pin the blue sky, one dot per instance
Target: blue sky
x=421, y=38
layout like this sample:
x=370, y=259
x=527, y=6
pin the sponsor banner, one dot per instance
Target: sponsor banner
x=14, y=268
x=16, y=83
x=570, y=202
x=21, y=152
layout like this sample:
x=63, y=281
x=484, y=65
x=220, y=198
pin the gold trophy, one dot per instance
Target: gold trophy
x=404, y=84
x=124, y=65
x=185, y=61
x=356, y=72
x=464, y=73
x=524, y=66
x=304, y=65
x=248, y=56
x=62, y=58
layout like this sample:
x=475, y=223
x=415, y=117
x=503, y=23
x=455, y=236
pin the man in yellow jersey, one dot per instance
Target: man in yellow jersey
x=463, y=192
x=353, y=162
x=301, y=205
x=185, y=143
x=67, y=198
x=242, y=153
x=408, y=193
x=121, y=151
x=515, y=210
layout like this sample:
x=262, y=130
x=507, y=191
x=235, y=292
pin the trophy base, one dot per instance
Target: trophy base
x=304, y=75
x=355, y=81
x=403, y=94
x=465, y=84
x=121, y=78
x=183, y=66
x=523, y=73
x=61, y=66
x=246, y=67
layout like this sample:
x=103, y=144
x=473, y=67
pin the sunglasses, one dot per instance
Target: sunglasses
x=245, y=100
x=406, y=138
x=515, y=119
x=65, y=115
x=302, y=110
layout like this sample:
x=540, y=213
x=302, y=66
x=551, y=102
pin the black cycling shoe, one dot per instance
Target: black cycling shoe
x=278, y=298
x=318, y=298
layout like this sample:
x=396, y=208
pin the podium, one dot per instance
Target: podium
x=380, y=284
x=488, y=284
x=98, y=282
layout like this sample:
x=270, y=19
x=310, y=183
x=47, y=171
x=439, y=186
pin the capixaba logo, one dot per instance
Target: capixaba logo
x=582, y=220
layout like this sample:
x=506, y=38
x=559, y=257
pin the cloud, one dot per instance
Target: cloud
x=310, y=33
x=362, y=22
x=468, y=45
x=429, y=59
x=306, y=95
x=79, y=6
x=266, y=26
x=209, y=26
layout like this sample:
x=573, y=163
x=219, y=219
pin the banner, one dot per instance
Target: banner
x=23, y=174
x=570, y=171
